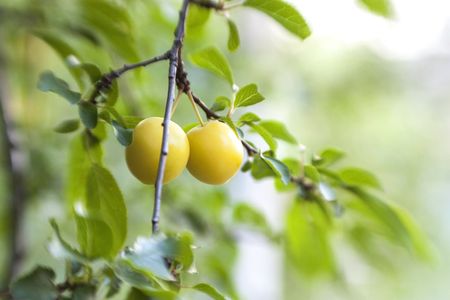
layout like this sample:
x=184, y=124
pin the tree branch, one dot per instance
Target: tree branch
x=209, y=4
x=14, y=164
x=174, y=55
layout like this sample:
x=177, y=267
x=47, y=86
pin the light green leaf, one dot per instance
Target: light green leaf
x=307, y=239
x=214, y=61
x=233, y=36
x=78, y=166
x=37, y=285
x=280, y=169
x=48, y=82
x=260, y=169
x=210, y=291
x=249, y=118
x=359, y=177
x=284, y=13
x=278, y=131
x=88, y=114
x=248, y=95
x=148, y=255
x=102, y=217
x=312, y=173
x=132, y=121
x=250, y=216
x=221, y=103
x=265, y=135
x=197, y=17
x=379, y=7
x=328, y=157
x=123, y=135
x=59, y=248
x=64, y=50
x=67, y=126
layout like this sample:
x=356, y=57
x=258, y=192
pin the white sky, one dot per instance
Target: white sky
x=417, y=28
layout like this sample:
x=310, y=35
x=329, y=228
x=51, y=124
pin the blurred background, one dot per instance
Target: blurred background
x=376, y=88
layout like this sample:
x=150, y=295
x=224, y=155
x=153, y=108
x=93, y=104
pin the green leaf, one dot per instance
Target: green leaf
x=214, y=61
x=260, y=169
x=293, y=165
x=149, y=255
x=110, y=96
x=307, y=239
x=248, y=118
x=248, y=215
x=312, y=173
x=359, y=177
x=93, y=71
x=59, y=248
x=221, y=103
x=82, y=152
x=37, y=285
x=188, y=127
x=328, y=157
x=210, y=291
x=48, y=82
x=67, y=126
x=84, y=292
x=88, y=114
x=379, y=7
x=233, y=36
x=285, y=14
x=123, y=135
x=102, y=217
x=248, y=95
x=132, y=121
x=280, y=169
x=197, y=17
x=278, y=130
x=64, y=50
x=267, y=137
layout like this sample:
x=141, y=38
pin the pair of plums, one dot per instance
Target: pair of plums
x=212, y=153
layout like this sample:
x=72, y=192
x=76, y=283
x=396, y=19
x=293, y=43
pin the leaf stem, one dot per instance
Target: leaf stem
x=176, y=102
x=194, y=105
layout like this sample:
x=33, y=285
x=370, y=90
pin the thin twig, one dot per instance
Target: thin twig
x=14, y=164
x=106, y=80
x=209, y=4
x=174, y=54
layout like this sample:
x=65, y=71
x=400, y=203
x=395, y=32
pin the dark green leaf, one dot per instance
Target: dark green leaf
x=280, y=169
x=210, y=291
x=109, y=97
x=233, y=36
x=48, y=82
x=359, y=177
x=93, y=71
x=214, y=61
x=379, y=7
x=248, y=95
x=328, y=157
x=221, y=103
x=260, y=169
x=102, y=217
x=265, y=135
x=123, y=135
x=88, y=114
x=248, y=118
x=67, y=126
x=37, y=285
x=84, y=292
x=284, y=13
x=278, y=131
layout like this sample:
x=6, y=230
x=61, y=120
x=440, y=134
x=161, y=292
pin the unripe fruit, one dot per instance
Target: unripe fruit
x=216, y=152
x=142, y=155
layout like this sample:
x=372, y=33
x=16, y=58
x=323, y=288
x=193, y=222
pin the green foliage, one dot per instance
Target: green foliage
x=102, y=217
x=359, y=177
x=233, y=36
x=123, y=135
x=283, y=13
x=213, y=60
x=37, y=285
x=278, y=130
x=221, y=103
x=209, y=290
x=48, y=82
x=88, y=114
x=380, y=7
x=248, y=95
x=67, y=126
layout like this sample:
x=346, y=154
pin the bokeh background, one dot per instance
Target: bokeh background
x=376, y=88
